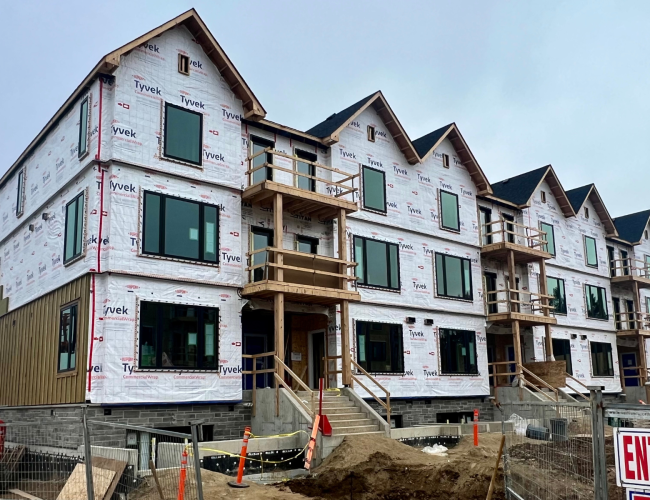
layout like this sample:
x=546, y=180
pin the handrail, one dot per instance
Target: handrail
x=631, y=318
x=326, y=369
x=540, y=381
x=303, y=254
x=280, y=364
x=372, y=379
x=498, y=375
x=254, y=372
x=538, y=302
x=534, y=237
x=627, y=267
x=568, y=375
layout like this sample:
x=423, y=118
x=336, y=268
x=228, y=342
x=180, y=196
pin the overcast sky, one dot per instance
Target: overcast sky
x=528, y=83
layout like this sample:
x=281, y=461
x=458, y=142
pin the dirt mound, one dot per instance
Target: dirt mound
x=379, y=468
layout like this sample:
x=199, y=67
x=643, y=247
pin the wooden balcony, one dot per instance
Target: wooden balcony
x=632, y=324
x=503, y=307
x=630, y=271
x=302, y=277
x=502, y=235
x=313, y=195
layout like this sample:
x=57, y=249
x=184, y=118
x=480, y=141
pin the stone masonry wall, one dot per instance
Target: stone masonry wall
x=424, y=411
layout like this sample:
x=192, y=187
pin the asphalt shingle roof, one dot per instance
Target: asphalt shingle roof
x=578, y=196
x=630, y=227
x=424, y=144
x=520, y=188
x=334, y=122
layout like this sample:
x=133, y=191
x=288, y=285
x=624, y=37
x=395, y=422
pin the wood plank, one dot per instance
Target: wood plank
x=75, y=486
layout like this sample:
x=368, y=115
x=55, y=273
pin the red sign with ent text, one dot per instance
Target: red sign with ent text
x=632, y=454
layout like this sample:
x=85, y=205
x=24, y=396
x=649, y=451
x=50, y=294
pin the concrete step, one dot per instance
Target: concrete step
x=359, y=429
x=306, y=395
x=357, y=422
x=335, y=404
x=338, y=410
x=345, y=416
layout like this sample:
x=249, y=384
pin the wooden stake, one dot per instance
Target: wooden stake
x=155, y=478
x=496, y=469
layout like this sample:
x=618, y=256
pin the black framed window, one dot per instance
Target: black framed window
x=83, y=128
x=458, y=352
x=453, y=277
x=591, y=254
x=265, y=173
x=178, y=228
x=610, y=261
x=306, y=244
x=74, y=229
x=485, y=217
x=68, y=338
x=555, y=287
x=449, y=211
x=174, y=336
x=377, y=263
x=306, y=168
x=183, y=134
x=20, y=191
x=601, y=359
x=374, y=189
x=625, y=263
x=562, y=352
x=380, y=347
x=596, y=302
x=549, y=246
x=509, y=227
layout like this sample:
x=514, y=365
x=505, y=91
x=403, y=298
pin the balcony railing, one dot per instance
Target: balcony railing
x=631, y=321
x=629, y=267
x=340, y=184
x=504, y=230
x=518, y=301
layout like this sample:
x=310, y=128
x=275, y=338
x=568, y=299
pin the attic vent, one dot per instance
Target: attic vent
x=183, y=64
x=371, y=133
x=586, y=212
x=543, y=196
x=445, y=160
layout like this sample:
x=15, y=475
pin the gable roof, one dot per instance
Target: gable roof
x=579, y=195
x=520, y=189
x=253, y=109
x=630, y=227
x=426, y=144
x=330, y=129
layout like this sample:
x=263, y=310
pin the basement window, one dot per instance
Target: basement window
x=68, y=338
x=596, y=299
x=82, y=148
x=380, y=347
x=445, y=160
x=20, y=193
x=586, y=212
x=183, y=64
x=183, y=134
x=377, y=263
x=374, y=189
x=601, y=359
x=174, y=336
x=542, y=195
x=74, y=229
x=178, y=228
x=449, y=211
x=458, y=352
x=371, y=133
x=453, y=277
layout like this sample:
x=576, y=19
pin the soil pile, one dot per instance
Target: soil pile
x=367, y=467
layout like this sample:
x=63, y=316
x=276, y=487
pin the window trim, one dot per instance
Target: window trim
x=143, y=253
x=586, y=212
x=183, y=58
x=82, y=154
x=591, y=361
x=70, y=371
x=20, y=192
x=542, y=196
x=164, y=154
x=444, y=273
x=445, y=160
x=363, y=191
x=457, y=374
x=442, y=223
x=314, y=242
x=356, y=346
x=566, y=307
x=488, y=212
x=586, y=253
x=584, y=292
x=388, y=244
x=545, y=240
x=217, y=342
x=82, y=253
x=371, y=133
x=611, y=256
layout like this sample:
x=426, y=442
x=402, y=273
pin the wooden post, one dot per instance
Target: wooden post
x=516, y=341
x=345, y=343
x=343, y=247
x=278, y=230
x=543, y=289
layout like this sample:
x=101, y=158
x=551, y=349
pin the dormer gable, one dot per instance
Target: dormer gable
x=578, y=198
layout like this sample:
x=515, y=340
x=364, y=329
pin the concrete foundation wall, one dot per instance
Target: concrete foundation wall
x=424, y=411
x=292, y=417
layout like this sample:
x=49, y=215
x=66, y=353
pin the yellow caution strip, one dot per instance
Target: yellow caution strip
x=235, y=455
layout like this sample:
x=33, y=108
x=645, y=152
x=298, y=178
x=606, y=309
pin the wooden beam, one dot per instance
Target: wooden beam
x=278, y=227
x=543, y=289
x=278, y=314
x=345, y=343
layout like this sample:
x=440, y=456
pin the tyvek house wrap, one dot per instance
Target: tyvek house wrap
x=115, y=376
x=147, y=77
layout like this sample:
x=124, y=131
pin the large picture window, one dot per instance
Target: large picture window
x=555, y=287
x=453, y=277
x=380, y=347
x=74, y=229
x=174, y=336
x=68, y=338
x=549, y=237
x=183, y=137
x=374, y=189
x=179, y=228
x=377, y=263
x=591, y=255
x=449, y=211
x=596, y=299
x=562, y=352
x=601, y=359
x=83, y=128
x=458, y=352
